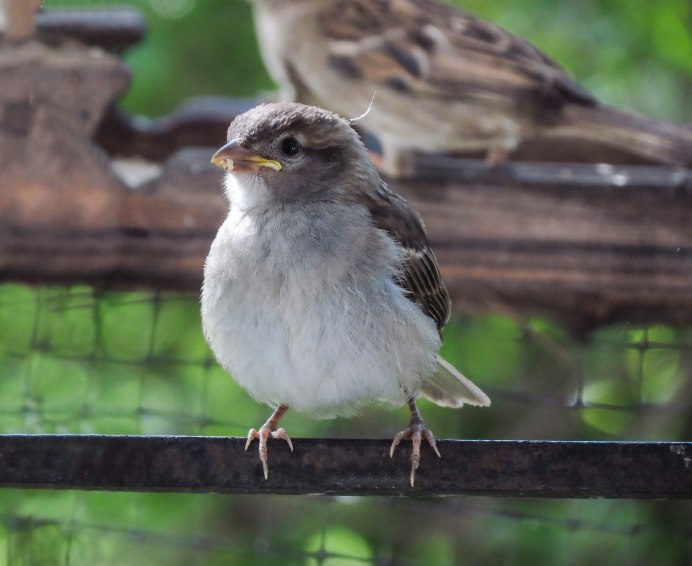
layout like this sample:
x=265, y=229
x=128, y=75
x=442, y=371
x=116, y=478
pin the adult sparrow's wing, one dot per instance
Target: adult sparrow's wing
x=429, y=48
x=420, y=275
x=429, y=51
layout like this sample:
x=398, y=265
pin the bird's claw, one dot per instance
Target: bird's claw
x=263, y=435
x=416, y=432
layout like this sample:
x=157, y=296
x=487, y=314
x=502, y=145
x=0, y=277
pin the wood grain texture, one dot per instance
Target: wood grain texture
x=586, y=244
x=591, y=244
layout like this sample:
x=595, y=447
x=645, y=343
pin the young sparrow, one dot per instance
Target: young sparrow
x=445, y=80
x=320, y=290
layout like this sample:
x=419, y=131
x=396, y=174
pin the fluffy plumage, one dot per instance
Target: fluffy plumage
x=321, y=292
x=446, y=81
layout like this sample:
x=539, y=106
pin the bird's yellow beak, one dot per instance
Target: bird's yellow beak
x=235, y=156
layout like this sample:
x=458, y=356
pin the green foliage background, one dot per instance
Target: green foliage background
x=77, y=361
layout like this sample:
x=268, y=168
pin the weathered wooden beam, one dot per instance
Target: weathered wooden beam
x=113, y=28
x=198, y=122
x=591, y=243
x=587, y=244
x=658, y=470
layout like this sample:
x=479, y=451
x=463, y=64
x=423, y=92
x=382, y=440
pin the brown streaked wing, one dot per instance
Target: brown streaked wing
x=432, y=48
x=420, y=275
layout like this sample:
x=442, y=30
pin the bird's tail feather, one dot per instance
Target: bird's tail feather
x=652, y=140
x=447, y=387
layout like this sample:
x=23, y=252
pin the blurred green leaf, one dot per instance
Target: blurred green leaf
x=657, y=369
x=13, y=382
x=18, y=312
x=210, y=50
x=489, y=348
x=59, y=386
x=178, y=332
x=39, y=544
x=610, y=389
x=662, y=376
x=434, y=550
x=68, y=325
x=116, y=387
x=126, y=325
x=672, y=36
x=226, y=402
x=337, y=546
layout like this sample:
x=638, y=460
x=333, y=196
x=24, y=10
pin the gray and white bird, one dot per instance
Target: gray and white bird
x=446, y=81
x=320, y=291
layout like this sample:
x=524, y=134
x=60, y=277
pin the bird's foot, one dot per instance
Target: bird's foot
x=397, y=165
x=416, y=431
x=497, y=155
x=265, y=432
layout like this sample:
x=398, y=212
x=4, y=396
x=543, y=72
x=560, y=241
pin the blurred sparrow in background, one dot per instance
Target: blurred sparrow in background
x=446, y=81
x=320, y=290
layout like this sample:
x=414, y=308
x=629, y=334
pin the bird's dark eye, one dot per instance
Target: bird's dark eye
x=290, y=147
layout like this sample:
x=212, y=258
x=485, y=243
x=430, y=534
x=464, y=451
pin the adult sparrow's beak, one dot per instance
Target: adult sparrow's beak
x=237, y=156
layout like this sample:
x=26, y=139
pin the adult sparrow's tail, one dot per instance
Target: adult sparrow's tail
x=630, y=133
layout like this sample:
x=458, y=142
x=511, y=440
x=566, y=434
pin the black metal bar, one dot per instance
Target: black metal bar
x=348, y=467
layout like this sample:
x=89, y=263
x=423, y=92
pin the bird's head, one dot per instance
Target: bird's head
x=286, y=152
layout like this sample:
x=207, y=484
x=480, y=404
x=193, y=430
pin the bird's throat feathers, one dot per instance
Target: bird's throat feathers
x=246, y=191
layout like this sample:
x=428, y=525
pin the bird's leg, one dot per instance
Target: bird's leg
x=392, y=160
x=416, y=431
x=266, y=431
x=396, y=163
x=496, y=155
